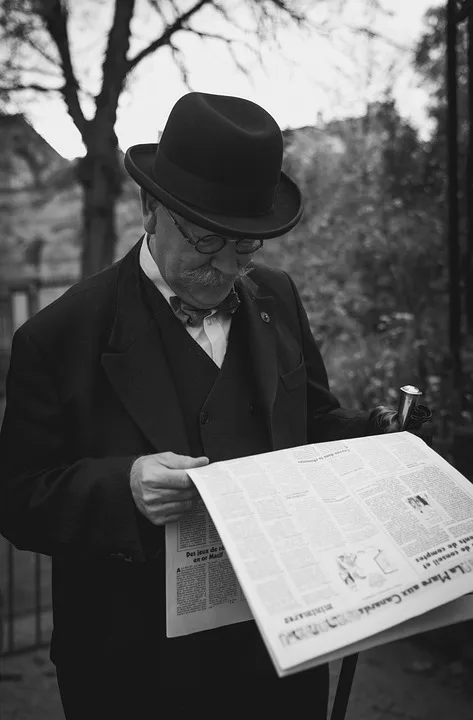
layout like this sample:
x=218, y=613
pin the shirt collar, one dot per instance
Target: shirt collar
x=152, y=271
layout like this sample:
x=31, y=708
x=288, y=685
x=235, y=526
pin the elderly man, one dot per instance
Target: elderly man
x=182, y=353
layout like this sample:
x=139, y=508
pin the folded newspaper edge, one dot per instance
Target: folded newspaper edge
x=337, y=546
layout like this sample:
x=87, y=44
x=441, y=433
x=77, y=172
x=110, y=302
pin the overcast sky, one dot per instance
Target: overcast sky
x=312, y=79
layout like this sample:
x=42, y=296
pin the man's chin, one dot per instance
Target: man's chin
x=209, y=297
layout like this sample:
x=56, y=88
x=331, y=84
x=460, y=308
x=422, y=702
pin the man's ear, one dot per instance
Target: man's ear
x=149, y=205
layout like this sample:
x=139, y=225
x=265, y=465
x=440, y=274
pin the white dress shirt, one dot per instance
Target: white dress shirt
x=212, y=333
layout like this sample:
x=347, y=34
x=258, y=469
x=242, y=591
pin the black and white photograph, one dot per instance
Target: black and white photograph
x=236, y=359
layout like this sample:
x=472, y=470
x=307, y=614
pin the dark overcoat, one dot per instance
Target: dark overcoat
x=88, y=391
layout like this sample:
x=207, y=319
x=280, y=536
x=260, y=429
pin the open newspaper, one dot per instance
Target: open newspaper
x=202, y=590
x=338, y=546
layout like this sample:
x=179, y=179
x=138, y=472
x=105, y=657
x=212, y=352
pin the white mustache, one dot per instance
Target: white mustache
x=207, y=275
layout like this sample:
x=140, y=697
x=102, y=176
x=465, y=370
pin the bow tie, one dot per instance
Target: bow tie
x=190, y=315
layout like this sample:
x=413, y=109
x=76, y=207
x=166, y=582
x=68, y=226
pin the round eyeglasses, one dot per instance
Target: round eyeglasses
x=210, y=244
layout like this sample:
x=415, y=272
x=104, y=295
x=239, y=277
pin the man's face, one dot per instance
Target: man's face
x=201, y=280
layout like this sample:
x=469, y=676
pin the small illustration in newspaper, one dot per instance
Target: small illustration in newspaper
x=365, y=567
x=426, y=509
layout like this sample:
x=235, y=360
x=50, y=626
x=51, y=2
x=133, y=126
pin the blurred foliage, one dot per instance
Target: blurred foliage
x=368, y=259
x=370, y=256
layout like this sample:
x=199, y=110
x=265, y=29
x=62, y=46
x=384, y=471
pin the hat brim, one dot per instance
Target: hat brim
x=285, y=214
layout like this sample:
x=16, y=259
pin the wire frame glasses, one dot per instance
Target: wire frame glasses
x=210, y=244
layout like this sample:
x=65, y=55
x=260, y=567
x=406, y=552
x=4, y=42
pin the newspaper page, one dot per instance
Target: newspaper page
x=336, y=542
x=202, y=591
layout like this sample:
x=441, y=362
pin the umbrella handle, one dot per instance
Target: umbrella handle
x=344, y=685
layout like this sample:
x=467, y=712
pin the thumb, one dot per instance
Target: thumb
x=182, y=462
x=196, y=462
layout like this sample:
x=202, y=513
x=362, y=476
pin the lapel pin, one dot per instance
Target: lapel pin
x=265, y=317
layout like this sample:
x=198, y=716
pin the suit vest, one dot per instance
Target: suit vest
x=220, y=406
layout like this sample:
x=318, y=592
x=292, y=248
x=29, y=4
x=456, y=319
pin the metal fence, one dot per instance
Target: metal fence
x=26, y=612
x=25, y=578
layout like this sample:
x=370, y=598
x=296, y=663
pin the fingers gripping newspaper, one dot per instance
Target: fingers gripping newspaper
x=343, y=545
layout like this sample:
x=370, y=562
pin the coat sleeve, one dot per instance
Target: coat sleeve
x=48, y=504
x=326, y=419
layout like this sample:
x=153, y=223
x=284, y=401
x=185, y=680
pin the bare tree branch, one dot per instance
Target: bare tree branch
x=55, y=74
x=44, y=54
x=157, y=5
x=19, y=87
x=265, y=21
x=115, y=66
x=203, y=35
x=179, y=59
x=230, y=42
x=231, y=21
x=54, y=14
x=284, y=7
x=166, y=35
x=221, y=10
x=238, y=64
x=374, y=35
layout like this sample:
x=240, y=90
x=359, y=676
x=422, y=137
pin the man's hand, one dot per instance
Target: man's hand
x=385, y=420
x=161, y=488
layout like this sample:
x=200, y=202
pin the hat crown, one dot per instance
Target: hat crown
x=219, y=164
x=223, y=139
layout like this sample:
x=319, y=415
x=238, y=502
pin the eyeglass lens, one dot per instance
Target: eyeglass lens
x=214, y=243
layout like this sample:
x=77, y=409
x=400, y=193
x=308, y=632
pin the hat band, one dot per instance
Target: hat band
x=211, y=196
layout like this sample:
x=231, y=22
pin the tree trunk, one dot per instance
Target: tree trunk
x=99, y=174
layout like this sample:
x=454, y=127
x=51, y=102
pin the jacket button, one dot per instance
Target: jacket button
x=265, y=317
x=254, y=409
x=204, y=418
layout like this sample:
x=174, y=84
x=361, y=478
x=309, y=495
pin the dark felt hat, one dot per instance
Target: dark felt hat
x=218, y=164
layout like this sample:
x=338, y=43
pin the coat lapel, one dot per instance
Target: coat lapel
x=137, y=368
x=260, y=313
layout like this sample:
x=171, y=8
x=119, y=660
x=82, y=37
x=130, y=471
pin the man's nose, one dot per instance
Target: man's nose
x=226, y=260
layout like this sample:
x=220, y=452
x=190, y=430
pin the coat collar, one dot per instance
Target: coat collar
x=261, y=315
x=136, y=363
